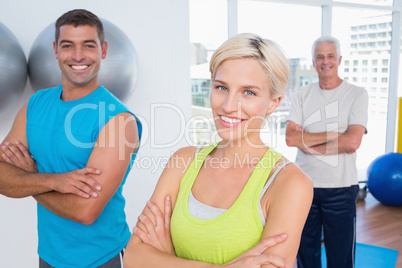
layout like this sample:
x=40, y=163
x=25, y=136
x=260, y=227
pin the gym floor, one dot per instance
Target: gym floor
x=379, y=225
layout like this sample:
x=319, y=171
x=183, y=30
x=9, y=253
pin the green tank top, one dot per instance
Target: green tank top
x=223, y=238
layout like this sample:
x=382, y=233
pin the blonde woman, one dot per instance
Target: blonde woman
x=240, y=203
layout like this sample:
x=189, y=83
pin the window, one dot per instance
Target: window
x=365, y=45
x=382, y=35
x=205, y=36
x=382, y=44
x=383, y=25
x=264, y=18
x=373, y=2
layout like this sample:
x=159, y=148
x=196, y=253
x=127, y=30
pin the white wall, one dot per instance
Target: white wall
x=159, y=31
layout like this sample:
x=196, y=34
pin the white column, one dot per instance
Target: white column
x=393, y=78
x=232, y=17
x=326, y=20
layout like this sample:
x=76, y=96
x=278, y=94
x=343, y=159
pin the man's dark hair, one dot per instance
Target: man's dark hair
x=80, y=17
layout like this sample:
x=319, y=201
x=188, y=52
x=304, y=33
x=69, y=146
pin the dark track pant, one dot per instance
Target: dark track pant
x=333, y=211
x=116, y=262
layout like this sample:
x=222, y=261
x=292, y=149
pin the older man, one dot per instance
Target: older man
x=326, y=123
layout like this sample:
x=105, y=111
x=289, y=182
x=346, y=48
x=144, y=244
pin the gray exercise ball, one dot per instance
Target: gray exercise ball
x=118, y=73
x=43, y=68
x=13, y=69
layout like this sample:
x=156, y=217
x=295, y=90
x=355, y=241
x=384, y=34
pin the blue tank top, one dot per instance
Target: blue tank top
x=61, y=135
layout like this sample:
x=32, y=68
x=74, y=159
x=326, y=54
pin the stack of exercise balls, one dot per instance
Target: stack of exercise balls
x=384, y=179
x=119, y=71
x=13, y=70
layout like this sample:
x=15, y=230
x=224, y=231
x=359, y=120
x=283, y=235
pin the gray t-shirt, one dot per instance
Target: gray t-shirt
x=318, y=110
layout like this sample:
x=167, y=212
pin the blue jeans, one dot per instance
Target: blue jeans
x=334, y=212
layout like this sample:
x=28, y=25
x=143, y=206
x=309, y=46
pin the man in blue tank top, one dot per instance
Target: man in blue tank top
x=84, y=141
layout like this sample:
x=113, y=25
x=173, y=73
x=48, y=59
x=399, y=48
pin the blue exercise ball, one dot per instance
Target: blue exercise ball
x=118, y=73
x=13, y=70
x=384, y=179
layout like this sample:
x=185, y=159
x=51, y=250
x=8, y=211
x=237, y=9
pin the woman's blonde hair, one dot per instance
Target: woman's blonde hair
x=266, y=52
